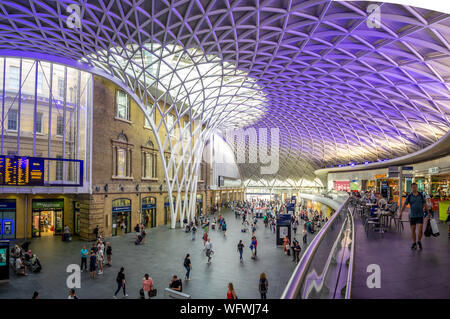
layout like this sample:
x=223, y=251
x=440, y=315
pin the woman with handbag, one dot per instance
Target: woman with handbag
x=147, y=286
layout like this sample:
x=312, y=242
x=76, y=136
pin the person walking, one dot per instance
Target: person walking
x=92, y=264
x=188, y=265
x=240, y=248
x=294, y=226
x=84, y=255
x=224, y=228
x=263, y=285
x=208, y=248
x=305, y=234
x=252, y=247
x=417, y=204
x=147, y=285
x=205, y=239
x=108, y=254
x=231, y=294
x=194, y=231
x=120, y=279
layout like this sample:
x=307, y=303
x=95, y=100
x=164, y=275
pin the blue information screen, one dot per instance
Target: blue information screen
x=21, y=171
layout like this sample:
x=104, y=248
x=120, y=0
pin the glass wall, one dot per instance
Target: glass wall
x=45, y=111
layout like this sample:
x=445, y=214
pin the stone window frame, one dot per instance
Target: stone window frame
x=149, y=149
x=122, y=143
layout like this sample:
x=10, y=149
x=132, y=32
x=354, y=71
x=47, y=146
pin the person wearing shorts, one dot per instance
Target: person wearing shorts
x=417, y=204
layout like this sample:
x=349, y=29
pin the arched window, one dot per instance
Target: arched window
x=149, y=160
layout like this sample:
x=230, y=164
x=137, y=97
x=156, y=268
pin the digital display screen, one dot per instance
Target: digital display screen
x=3, y=257
x=21, y=171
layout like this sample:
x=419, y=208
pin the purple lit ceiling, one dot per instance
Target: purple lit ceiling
x=338, y=90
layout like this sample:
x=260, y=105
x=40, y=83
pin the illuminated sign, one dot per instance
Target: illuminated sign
x=378, y=176
x=21, y=171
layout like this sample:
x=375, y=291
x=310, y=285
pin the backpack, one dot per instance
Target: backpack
x=421, y=197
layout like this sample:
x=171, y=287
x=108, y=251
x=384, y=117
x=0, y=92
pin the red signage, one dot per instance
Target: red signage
x=343, y=186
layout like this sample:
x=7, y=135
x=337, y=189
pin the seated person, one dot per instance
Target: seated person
x=391, y=206
x=20, y=267
x=176, y=284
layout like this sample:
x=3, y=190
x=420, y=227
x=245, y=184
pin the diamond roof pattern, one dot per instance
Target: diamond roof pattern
x=338, y=90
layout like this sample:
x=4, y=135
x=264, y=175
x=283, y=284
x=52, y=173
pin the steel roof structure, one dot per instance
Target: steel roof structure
x=338, y=85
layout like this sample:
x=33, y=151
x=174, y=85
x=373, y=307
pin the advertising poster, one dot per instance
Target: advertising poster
x=3, y=257
x=283, y=231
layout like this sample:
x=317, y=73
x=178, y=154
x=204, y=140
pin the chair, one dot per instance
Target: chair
x=399, y=222
x=375, y=222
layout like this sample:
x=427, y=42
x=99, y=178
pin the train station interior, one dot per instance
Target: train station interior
x=215, y=149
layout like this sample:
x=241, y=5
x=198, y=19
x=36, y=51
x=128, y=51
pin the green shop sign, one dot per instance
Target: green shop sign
x=59, y=204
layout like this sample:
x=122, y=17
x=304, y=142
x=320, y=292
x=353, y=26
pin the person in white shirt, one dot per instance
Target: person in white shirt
x=100, y=260
x=381, y=201
x=208, y=247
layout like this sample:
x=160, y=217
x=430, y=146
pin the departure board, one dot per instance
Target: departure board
x=21, y=171
x=36, y=171
x=2, y=170
x=11, y=171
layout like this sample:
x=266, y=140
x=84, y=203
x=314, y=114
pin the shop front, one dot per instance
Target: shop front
x=440, y=193
x=342, y=186
x=149, y=211
x=7, y=218
x=47, y=217
x=167, y=215
x=121, y=216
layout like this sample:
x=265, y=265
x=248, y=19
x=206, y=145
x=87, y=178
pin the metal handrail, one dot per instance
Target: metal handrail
x=294, y=283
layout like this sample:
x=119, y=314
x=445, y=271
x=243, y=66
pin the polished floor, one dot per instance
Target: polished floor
x=405, y=273
x=162, y=256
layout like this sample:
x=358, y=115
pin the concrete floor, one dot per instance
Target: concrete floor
x=161, y=257
x=405, y=273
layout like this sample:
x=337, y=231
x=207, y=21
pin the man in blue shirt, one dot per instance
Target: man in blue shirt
x=417, y=205
x=84, y=255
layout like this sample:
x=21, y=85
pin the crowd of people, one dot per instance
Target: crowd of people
x=98, y=257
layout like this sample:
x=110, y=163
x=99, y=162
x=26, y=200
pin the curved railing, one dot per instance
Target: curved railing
x=325, y=269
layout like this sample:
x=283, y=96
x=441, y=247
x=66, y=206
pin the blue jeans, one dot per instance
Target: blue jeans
x=120, y=285
x=188, y=271
x=240, y=253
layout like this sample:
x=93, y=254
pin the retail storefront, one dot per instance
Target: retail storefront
x=167, y=215
x=121, y=216
x=7, y=218
x=149, y=211
x=342, y=186
x=76, y=218
x=47, y=217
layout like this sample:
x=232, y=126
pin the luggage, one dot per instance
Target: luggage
x=138, y=240
x=428, y=231
x=434, y=227
x=153, y=292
